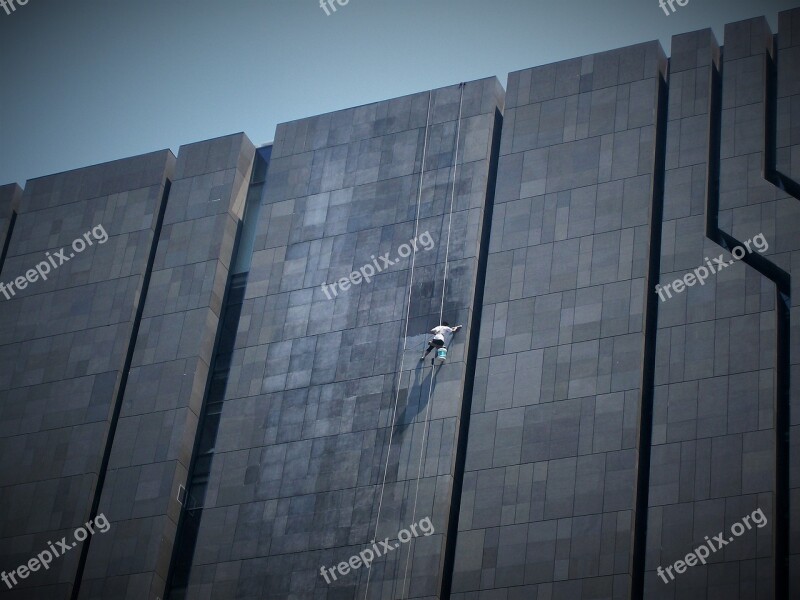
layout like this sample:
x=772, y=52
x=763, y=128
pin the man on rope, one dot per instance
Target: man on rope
x=438, y=337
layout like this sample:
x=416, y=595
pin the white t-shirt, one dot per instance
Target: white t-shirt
x=440, y=330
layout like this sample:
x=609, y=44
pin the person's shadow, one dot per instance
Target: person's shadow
x=420, y=391
x=415, y=399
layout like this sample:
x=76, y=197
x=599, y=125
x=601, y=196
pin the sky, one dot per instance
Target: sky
x=88, y=81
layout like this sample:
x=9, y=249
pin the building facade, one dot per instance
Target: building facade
x=221, y=362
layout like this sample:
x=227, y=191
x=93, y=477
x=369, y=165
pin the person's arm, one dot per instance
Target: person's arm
x=456, y=328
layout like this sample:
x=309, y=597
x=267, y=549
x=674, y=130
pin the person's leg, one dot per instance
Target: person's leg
x=434, y=343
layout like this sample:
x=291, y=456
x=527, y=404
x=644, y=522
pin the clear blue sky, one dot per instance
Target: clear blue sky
x=88, y=81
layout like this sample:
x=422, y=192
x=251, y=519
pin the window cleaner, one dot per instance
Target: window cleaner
x=438, y=340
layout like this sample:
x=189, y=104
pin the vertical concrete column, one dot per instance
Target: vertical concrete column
x=548, y=502
x=721, y=404
x=691, y=397
x=165, y=389
x=64, y=341
x=751, y=204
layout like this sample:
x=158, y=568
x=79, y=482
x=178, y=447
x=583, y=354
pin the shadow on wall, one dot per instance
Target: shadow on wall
x=424, y=389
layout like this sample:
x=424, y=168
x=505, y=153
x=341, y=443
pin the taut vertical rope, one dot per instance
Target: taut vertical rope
x=441, y=312
x=405, y=335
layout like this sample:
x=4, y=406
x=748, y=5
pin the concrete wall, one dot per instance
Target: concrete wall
x=63, y=345
x=158, y=421
x=716, y=427
x=297, y=479
x=549, y=491
x=583, y=435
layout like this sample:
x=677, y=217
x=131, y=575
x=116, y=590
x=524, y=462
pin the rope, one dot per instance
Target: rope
x=441, y=312
x=452, y=200
x=405, y=335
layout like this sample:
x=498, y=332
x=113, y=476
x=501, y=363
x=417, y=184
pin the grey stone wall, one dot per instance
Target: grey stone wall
x=550, y=485
x=715, y=426
x=576, y=412
x=164, y=392
x=301, y=455
x=63, y=344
